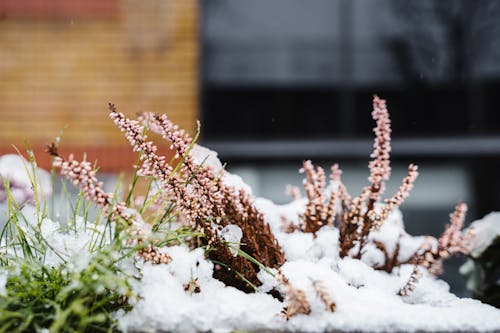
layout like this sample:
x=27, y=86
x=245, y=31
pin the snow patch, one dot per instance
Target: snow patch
x=14, y=169
x=366, y=298
x=486, y=230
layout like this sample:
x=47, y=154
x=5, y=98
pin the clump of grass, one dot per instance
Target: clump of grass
x=43, y=287
x=37, y=296
x=37, y=293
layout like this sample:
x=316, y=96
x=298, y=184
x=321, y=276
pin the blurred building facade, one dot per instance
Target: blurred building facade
x=61, y=62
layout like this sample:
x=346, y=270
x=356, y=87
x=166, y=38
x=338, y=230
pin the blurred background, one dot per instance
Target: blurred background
x=273, y=82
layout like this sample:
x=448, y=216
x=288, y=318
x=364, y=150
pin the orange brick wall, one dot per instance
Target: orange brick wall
x=61, y=73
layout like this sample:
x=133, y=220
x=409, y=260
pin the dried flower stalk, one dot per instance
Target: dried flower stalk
x=412, y=282
x=322, y=292
x=208, y=202
x=156, y=166
x=380, y=169
x=358, y=215
x=81, y=174
x=296, y=299
x=227, y=203
x=390, y=260
x=452, y=241
x=205, y=183
x=316, y=213
x=320, y=208
x=397, y=199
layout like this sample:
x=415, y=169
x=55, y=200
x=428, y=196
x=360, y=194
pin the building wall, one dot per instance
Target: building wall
x=58, y=71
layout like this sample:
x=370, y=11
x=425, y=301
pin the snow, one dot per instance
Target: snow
x=3, y=282
x=232, y=234
x=13, y=168
x=163, y=303
x=69, y=244
x=204, y=156
x=232, y=180
x=486, y=231
x=366, y=299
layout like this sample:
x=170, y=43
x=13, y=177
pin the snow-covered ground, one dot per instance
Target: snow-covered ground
x=366, y=299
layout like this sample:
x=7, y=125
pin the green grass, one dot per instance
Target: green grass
x=40, y=295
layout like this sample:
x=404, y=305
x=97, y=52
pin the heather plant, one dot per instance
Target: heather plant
x=206, y=202
x=358, y=216
x=85, y=282
x=209, y=205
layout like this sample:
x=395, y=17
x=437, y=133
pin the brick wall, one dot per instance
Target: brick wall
x=59, y=72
